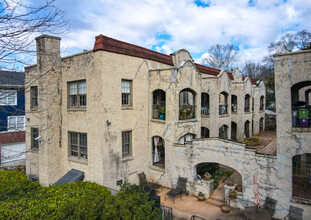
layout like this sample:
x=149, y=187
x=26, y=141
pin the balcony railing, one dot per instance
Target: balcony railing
x=158, y=112
x=223, y=109
x=204, y=110
x=246, y=109
x=234, y=107
x=301, y=116
x=186, y=112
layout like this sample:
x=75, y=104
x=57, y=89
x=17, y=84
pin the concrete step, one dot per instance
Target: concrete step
x=216, y=199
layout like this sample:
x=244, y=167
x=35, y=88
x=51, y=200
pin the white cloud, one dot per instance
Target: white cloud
x=191, y=27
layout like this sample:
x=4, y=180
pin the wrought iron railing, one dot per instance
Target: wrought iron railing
x=223, y=109
x=301, y=116
x=204, y=110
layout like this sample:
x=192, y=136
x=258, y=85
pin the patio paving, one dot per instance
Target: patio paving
x=189, y=205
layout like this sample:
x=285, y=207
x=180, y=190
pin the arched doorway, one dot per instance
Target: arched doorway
x=223, y=103
x=205, y=104
x=158, y=104
x=158, y=151
x=221, y=176
x=247, y=103
x=233, y=131
x=246, y=129
x=223, y=132
x=261, y=125
x=186, y=104
x=300, y=108
x=204, y=132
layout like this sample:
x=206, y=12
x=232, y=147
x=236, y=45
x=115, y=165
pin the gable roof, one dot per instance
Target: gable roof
x=10, y=78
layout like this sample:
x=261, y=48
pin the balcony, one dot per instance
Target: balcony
x=223, y=109
x=187, y=112
x=205, y=110
x=301, y=117
x=246, y=109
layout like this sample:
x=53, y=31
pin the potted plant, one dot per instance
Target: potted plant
x=230, y=181
x=225, y=207
x=201, y=196
x=232, y=194
x=184, y=113
x=162, y=112
x=238, y=188
x=207, y=176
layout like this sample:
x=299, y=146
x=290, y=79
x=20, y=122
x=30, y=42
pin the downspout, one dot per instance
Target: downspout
x=60, y=92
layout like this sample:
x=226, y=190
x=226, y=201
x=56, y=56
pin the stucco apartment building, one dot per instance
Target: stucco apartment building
x=121, y=109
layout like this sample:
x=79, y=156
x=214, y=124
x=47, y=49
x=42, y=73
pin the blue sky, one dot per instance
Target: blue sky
x=167, y=26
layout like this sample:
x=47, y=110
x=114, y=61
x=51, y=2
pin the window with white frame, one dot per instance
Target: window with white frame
x=8, y=97
x=126, y=87
x=78, y=145
x=77, y=94
x=16, y=123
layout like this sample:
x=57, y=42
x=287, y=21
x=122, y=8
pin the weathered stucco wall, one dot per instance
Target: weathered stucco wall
x=289, y=69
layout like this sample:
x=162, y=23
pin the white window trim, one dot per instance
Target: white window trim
x=19, y=116
x=7, y=93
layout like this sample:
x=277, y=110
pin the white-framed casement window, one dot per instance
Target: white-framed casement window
x=126, y=90
x=8, y=97
x=77, y=94
x=78, y=145
x=16, y=123
x=126, y=143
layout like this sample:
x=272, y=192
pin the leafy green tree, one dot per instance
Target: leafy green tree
x=132, y=203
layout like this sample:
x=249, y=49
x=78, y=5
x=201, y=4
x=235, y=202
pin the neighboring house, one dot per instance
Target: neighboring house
x=12, y=101
x=12, y=118
x=121, y=109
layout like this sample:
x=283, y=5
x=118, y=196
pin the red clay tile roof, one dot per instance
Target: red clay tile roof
x=112, y=45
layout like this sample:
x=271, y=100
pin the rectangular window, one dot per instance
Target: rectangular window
x=126, y=87
x=126, y=143
x=78, y=144
x=34, y=140
x=34, y=97
x=8, y=97
x=16, y=123
x=77, y=94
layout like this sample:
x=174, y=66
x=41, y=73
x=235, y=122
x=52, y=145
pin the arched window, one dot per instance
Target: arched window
x=204, y=132
x=223, y=103
x=186, y=104
x=246, y=129
x=301, y=176
x=262, y=103
x=158, y=107
x=247, y=103
x=233, y=131
x=261, y=125
x=204, y=104
x=300, y=109
x=234, y=103
x=158, y=151
x=186, y=138
x=223, y=132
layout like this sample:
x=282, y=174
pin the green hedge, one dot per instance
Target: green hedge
x=23, y=199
